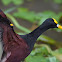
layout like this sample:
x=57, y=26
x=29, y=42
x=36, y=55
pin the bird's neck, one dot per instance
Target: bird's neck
x=38, y=31
x=32, y=37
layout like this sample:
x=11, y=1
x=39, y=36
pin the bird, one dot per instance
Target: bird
x=16, y=48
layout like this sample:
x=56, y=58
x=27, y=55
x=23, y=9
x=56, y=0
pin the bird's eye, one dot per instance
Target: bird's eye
x=11, y=25
x=55, y=21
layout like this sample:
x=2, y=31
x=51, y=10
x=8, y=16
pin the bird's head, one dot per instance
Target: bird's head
x=52, y=23
x=3, y=20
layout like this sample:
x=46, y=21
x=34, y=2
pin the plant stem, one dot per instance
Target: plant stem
x=17, y=24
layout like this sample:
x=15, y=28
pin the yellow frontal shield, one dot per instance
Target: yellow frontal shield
x=59, y=26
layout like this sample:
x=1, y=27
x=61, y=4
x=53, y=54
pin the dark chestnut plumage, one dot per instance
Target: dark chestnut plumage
x=17, y=47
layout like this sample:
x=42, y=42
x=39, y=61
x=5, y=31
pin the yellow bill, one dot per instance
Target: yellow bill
x=59, y=26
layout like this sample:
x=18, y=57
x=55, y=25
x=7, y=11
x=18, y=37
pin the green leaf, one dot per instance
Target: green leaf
x=59, y=51
x=52, y=59
x=25, y=14
x=6, y=2
x=58, y=1
x=37, y=58
x=18, y=2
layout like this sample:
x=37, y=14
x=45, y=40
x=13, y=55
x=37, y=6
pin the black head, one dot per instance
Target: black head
x=50, y=22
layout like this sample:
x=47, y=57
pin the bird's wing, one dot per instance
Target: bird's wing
x=17, y=55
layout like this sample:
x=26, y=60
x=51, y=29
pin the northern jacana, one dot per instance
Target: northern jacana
x=16, y=48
